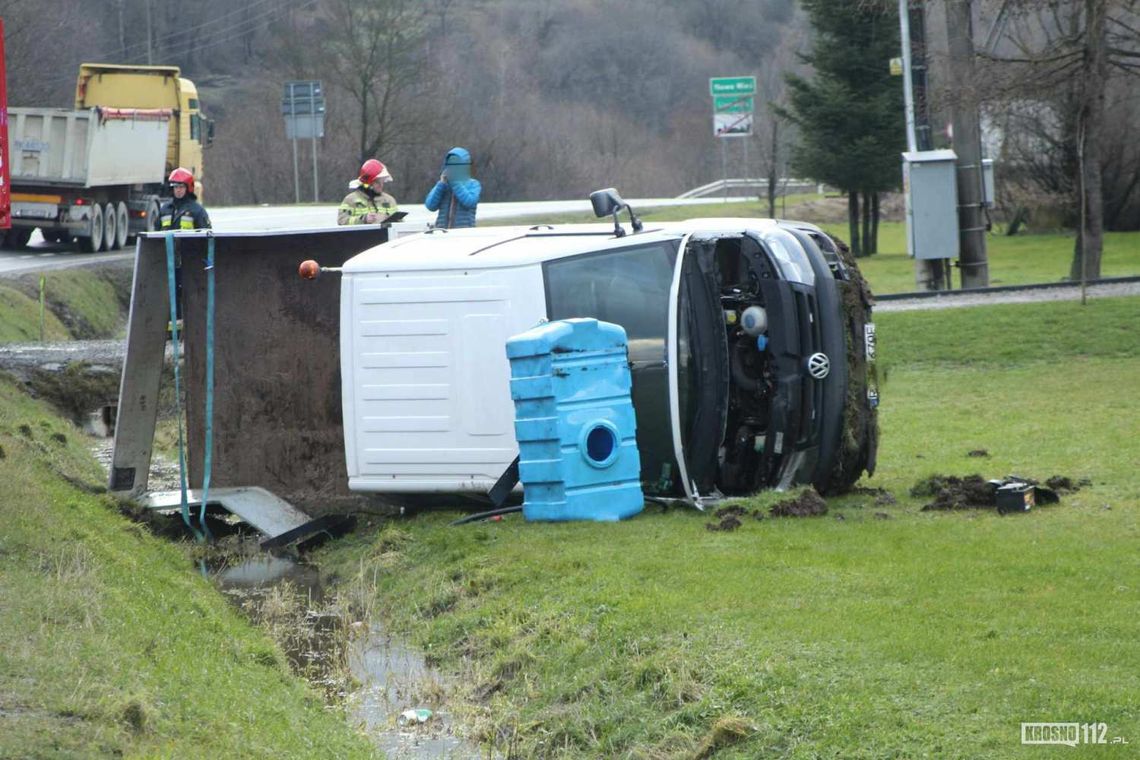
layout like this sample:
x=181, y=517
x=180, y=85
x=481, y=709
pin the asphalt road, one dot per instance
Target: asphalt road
x=41, y=255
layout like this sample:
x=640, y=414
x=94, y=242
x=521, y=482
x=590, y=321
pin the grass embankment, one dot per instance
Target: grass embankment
x=1018, y=260
x=82, y=302
x=112, y=644
x=891, y=632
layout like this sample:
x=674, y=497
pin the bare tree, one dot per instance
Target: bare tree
x=1064, y=53
x=375, y=52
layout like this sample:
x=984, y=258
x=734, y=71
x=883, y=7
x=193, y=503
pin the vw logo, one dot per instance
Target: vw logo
x=818, y=366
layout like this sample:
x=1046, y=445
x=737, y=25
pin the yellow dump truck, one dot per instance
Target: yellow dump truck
x=97, y=174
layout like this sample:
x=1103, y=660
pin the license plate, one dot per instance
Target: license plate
x=869, y=340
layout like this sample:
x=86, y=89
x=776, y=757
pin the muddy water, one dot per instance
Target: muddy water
x=358, y=665
x=353, y=662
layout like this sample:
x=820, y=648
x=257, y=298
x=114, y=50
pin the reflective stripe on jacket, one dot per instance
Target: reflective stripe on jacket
x=359, y=204
x=184, y=214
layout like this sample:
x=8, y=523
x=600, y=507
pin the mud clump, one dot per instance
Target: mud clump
x=808, y=504
x=978, y=453
x=1065, y=484
x=727, y=523
x=729, y=516
x=953, y=492
x=883, y=497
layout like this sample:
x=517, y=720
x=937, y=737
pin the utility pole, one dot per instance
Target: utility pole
x=929, y=274
x=967, y=144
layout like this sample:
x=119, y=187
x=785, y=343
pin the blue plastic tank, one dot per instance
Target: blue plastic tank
x=574, y=421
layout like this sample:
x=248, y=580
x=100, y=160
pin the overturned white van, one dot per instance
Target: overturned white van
x=750, y=343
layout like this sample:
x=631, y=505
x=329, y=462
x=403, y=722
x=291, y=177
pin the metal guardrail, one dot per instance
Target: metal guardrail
x=784, y=186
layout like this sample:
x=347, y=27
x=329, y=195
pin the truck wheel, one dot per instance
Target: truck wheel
x=152, y=212
x=93, y=241
x=110, y=231
x=122, y=225
x=17, y=238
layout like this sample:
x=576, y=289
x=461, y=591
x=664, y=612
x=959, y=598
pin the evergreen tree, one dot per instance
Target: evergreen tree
x=850, y=113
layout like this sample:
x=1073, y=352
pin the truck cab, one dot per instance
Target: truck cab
x=750, y=343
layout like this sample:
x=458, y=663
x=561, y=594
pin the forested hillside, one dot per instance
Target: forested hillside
x=553, y=97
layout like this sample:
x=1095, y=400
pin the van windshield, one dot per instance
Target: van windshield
x=629, y=287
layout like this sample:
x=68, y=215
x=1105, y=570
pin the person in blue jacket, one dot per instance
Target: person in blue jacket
x=456, y=194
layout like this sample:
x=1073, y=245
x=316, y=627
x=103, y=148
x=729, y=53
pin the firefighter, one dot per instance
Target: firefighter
x=183, y=212
x=367, y=203
x=456, y=194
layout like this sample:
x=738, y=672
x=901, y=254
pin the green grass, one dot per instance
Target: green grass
x=20, y=318
x=1018, y=260
x=922, y=634
x=112, y=644
x=81, y=302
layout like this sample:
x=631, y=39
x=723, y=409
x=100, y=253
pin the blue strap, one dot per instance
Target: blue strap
x=172, y=291
x=209, y=456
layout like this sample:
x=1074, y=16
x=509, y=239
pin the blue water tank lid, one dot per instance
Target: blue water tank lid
x=577, y=334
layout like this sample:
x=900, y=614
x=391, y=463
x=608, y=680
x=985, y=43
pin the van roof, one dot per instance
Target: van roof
x=493, y=247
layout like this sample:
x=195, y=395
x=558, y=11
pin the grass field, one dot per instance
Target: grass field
x=1019, y=260
x=112, y=645
x=874, y=631
x=82, y=302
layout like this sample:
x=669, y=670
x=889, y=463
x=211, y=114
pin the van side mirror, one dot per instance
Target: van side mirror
x=209, y=131
x=608, y=202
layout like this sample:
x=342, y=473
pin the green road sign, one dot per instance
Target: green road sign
x=732, y=86
x=733, y=104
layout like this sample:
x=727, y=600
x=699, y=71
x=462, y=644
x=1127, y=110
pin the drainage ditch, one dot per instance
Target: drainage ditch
x=330, y=635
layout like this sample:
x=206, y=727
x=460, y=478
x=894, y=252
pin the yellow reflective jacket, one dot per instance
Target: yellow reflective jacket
x=358, y=204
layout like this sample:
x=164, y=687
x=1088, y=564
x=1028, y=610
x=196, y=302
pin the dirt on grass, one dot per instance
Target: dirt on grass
x=974, y=492
x=883, y=497
x=953, y=492
x=808, y=504
x=1065, y=484
x=729, y=518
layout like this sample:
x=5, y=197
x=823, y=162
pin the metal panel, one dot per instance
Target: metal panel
x=55, y=146
x=142, y=369
x=426, y=388
x=932, y=192
x=277, y=385
x=988, y=195
x=261, y=509
x=277, y=411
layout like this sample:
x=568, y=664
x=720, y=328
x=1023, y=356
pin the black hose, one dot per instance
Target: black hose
x=739, y=375
x=485, y=515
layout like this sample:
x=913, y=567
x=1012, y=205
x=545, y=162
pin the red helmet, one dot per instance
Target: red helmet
x=182, y=177
x=371, y=170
